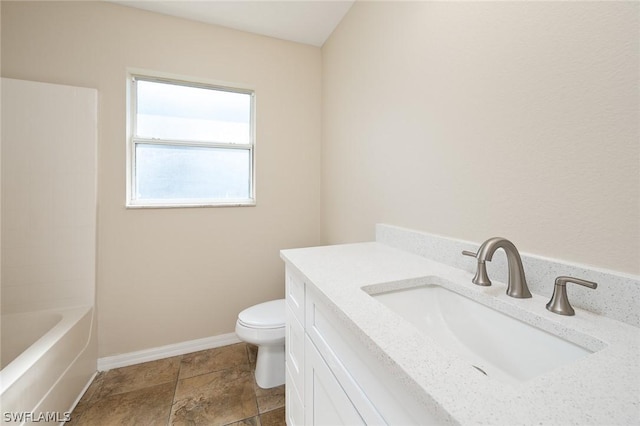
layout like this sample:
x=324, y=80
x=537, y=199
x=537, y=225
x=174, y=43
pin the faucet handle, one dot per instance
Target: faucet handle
x=559, y=303
x=481, y=278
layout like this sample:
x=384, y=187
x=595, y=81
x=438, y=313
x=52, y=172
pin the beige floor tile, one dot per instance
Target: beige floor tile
x=252, y=350
x=211, y=360
x=147, y=406
x=215, y=387
x=269, y=399
x=217, y=398
x=273, y=418
x=126, y=379
x=251, y=421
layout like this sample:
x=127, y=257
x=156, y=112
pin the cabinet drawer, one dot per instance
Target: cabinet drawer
x=294, y=292
x=294, y=349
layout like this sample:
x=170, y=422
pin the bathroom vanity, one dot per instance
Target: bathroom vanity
x=356, y=354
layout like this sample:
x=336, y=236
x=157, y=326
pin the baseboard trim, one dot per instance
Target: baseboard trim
x=152, y=354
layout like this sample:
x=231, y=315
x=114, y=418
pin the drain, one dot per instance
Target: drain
x=480, y=370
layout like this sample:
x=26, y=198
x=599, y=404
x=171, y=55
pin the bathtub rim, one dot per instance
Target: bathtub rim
x=13, y=371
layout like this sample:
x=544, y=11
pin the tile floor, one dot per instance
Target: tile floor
x=212, y=387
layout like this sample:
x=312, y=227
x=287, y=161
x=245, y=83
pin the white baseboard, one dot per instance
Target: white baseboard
x=152, y=354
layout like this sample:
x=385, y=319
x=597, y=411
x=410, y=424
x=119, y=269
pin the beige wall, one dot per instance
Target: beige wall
x=472, y=120
x=173, y=275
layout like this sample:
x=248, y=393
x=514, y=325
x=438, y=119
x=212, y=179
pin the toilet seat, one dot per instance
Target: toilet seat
x=265, y=315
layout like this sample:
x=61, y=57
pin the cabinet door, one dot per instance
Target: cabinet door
x=294, y=406
x=325, y=400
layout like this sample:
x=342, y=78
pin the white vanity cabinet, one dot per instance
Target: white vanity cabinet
x=294, y=350
x=331, y=377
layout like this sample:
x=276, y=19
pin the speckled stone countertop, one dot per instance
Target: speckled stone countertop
x=602, y=388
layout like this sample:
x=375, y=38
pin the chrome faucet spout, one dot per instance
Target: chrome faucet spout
x=517, y=284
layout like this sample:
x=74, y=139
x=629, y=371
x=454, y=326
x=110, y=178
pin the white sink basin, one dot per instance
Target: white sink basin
x=498, y=345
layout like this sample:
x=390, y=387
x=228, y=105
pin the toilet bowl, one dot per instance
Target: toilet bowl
x=264, y=326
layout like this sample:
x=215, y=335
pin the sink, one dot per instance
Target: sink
x=500, y=346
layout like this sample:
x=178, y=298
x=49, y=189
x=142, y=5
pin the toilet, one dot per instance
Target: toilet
x=264, y=326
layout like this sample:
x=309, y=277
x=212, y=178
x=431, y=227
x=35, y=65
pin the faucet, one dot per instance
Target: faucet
x=517, y=284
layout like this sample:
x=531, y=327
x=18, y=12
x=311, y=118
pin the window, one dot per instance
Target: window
x=190, y=144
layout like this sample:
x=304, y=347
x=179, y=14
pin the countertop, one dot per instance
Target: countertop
x=602, y=388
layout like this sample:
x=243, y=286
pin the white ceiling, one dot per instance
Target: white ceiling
x=308, y=22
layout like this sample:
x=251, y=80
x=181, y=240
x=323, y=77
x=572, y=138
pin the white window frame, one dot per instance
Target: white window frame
x=133, y=140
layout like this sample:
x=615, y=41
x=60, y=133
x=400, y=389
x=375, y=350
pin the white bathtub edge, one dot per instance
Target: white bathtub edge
x=16, y=368
x=73, y=383
x=153, y=354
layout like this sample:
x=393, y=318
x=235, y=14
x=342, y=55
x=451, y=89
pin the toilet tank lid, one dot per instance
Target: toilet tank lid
x=267, y=314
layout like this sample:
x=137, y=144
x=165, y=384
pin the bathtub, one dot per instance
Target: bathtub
x=48, y=358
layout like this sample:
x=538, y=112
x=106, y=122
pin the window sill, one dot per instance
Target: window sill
x=180, y=205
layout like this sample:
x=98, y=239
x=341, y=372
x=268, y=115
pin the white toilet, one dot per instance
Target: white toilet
x=264, y=325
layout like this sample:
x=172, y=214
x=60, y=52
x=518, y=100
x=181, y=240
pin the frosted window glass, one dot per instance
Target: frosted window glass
x=166, y=172
x=175, y=112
